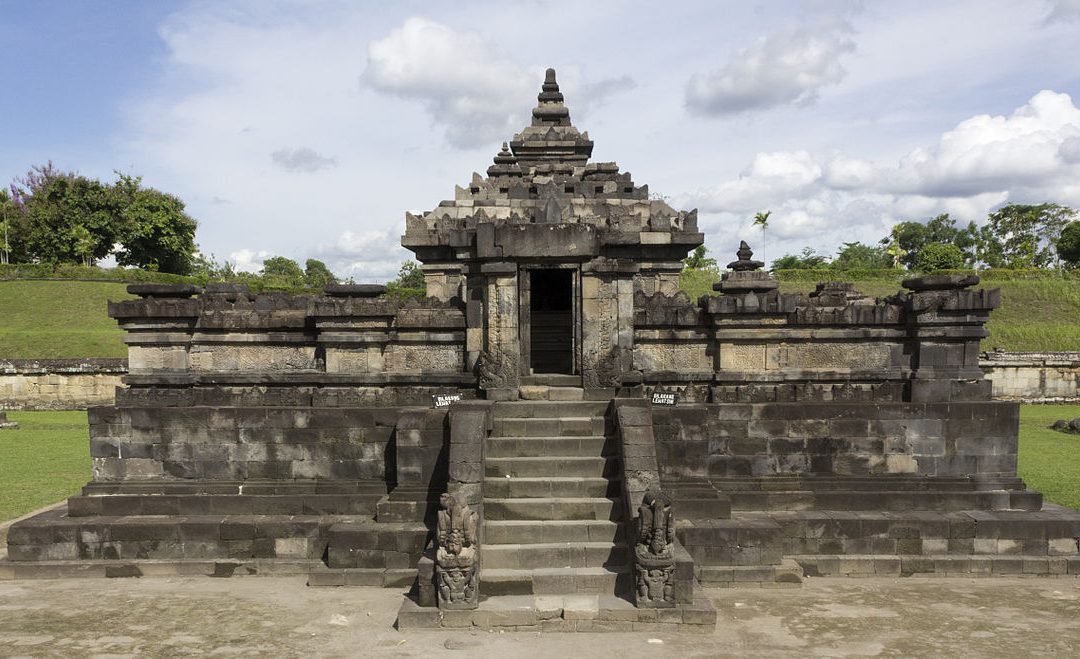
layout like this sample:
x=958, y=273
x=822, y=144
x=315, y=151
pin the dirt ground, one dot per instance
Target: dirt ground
x=283, y=617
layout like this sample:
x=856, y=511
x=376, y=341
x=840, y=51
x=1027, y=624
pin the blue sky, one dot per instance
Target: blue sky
x=308, y=128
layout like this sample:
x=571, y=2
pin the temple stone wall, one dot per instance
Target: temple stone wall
x=1051, y=377
x=254, y=442
x=59, y=384
x=837, y=439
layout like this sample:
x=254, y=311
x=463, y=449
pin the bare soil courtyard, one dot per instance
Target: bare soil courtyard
x=283, y=617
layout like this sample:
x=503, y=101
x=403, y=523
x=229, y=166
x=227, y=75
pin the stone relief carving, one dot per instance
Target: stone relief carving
x=456, y=559
x=654, y=551
x=497, y=369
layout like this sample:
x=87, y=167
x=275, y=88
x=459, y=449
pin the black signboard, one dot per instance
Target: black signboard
x=444, y=400
x=664, y=398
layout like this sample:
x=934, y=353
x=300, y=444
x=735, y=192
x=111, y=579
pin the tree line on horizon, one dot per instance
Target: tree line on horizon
x=1014, y=237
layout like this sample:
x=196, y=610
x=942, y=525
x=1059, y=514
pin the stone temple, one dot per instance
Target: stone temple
x=556, y=437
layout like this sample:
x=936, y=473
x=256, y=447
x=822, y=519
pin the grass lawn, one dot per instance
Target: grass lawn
x=59, y=319
x=47, y=459
x=1050, y=460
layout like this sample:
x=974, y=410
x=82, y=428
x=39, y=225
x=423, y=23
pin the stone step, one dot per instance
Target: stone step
x=574, y=426
x=941, y=565
x=787, y=574
x=498, y=532
x=549, y=409
x=545, y=392
x=555, y=581
x=551, y=380
x=585, y=466
x=549, y=486
x=223, y=504
x=168, y=568
x=561, y=508
x=886, y=500
x=55, y=536
x=562, y=613
x=554, y=554
x=533, y=447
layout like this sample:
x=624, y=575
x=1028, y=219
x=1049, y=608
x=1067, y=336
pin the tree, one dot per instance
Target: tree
x=411, y=276
x=907, y=238
x=808, y=260
x=857, y=256
x=317, y=275
x=283, y=272
x=52, y=204
x=761, y=219
x=697, y=260
x=1068, y=244
x=940, y=256
x=84, y=243
x=1028, y=234
x=154, y=231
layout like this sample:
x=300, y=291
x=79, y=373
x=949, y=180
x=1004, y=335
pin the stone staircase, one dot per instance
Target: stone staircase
x=553, y=520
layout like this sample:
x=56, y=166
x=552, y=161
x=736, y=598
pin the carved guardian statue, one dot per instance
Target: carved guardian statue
x=456, y=564
x=654, y=552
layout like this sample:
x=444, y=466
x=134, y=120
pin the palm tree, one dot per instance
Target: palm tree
x=762, y=220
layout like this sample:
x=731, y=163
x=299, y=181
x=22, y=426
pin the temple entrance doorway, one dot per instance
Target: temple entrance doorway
x=551, y=321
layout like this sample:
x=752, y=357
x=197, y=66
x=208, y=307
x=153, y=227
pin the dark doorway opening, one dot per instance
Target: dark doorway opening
x=551, y=307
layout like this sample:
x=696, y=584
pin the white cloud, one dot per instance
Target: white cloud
x=786, y=67
x=248, y=260
x=1063, y=11
x=301, y=160
x=1029, y=156
x=476, y=93
x=367, y=256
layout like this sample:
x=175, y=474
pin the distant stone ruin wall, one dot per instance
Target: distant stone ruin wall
x=1038, y=377
x=59, y=384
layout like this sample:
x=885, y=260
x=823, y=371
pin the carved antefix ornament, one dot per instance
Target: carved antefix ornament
x=456, y=560
x=497, y=369
x=654, y=552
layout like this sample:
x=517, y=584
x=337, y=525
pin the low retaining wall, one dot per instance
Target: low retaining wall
x=1036, y=377
x=59, y=384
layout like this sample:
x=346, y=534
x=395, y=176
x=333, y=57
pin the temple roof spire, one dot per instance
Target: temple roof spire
x=551, y=138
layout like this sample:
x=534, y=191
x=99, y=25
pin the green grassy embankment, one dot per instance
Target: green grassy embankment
x=59, y=319
x=43, y=461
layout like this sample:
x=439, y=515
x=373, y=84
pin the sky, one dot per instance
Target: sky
x=307, y=128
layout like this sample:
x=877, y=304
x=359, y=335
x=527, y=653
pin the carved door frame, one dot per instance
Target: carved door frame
x=525, y=312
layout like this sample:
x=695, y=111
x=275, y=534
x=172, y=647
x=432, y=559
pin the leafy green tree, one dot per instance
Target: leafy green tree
x=411, y=276
x=84, y=243
x=1028, y=234
x=1068, y=244
x=52, y=203
x=283, y=272
x=697, y=259
x=317, y=275
x=907, y=239
x=154, y=231
x=940, y=256
x=857, y=256
x=808, y=260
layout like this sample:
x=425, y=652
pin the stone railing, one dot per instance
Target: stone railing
x=59, y=384
x=449, y=574
x=663, y=570
x=1037, y=377
x=753, y=344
